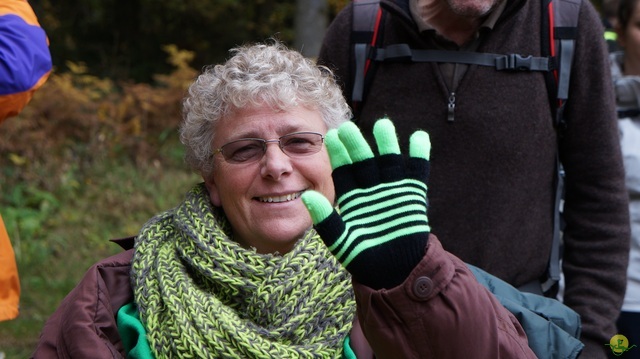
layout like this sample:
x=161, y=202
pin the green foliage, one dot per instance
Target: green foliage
x=122, y=39
x=88, y=160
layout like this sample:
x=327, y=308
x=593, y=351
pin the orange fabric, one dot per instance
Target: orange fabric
x=11, y=105
x=9, y=282
x=20, y=8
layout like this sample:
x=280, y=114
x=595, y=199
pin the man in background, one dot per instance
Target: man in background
x=496, y=144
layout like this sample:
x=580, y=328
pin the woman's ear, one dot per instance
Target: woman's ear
x=214, y=194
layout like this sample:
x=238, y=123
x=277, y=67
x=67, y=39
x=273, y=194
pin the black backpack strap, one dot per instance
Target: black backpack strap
x=510, y=62
x=628, y=113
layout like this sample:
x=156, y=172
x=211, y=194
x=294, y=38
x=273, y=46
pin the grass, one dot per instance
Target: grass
x=86, y=161
x=59, y=232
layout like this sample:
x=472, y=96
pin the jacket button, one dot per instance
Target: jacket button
x=422, y=287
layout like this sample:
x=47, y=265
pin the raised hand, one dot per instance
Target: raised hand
x=380, y=230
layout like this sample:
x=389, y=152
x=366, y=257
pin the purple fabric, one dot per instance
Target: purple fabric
x=24, y=55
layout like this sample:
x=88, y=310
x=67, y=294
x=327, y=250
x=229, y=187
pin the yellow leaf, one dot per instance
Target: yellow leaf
x=17, y=159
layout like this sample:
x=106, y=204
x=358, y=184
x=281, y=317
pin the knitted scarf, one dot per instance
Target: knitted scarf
x=200, y=294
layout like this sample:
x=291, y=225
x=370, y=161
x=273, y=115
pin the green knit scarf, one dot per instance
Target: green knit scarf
x=200, y=294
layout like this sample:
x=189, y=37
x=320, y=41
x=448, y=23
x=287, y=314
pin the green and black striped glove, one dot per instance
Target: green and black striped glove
x=381, y=230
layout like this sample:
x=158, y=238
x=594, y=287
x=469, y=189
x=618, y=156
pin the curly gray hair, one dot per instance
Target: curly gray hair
x=256, y=74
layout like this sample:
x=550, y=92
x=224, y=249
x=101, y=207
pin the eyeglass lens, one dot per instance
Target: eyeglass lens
x=252, y=149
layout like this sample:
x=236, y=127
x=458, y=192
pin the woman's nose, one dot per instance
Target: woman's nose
x=275, y=162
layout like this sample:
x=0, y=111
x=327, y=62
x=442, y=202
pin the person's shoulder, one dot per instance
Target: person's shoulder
x=121, y=259
x=111, y=274
x=19, y=8
x=588, y=13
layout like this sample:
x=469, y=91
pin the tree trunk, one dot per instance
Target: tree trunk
x=311, y=24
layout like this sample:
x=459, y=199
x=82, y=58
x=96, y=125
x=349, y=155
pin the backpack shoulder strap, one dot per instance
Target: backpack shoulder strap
x=365, y=35
x=561, y=25
x=563, y=31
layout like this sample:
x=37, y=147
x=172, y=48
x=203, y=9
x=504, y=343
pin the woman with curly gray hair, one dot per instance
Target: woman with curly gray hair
x=236, y=270
x=256, y=262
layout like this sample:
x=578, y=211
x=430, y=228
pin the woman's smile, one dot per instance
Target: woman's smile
x=280, y=198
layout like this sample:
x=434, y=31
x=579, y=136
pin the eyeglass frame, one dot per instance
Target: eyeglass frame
x=264, y=146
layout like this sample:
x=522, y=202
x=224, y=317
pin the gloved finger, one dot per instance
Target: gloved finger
x=326, y=220
x=420, y=145
x=390, y=161
x=419, y=154
x=318, y=206
x=338, y=154
x=386, y=138
x=354, y=142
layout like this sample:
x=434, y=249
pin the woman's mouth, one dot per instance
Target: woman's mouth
x=278, y=199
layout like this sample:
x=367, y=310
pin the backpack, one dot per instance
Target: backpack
x=559, y=32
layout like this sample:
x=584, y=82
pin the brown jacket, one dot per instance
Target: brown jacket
x=440, y=311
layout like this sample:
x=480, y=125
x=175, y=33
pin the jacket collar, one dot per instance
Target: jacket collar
x=126, y=242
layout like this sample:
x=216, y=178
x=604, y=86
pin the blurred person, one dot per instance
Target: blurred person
x=625, y=68
x=257, y=263
x=609, y=21
x=25, y=64
x=497, y=142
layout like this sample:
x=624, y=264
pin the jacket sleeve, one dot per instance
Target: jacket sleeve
x=596, y=237
x=437, y=313
x=627, y=89
x=25, y=61
x=84, y=325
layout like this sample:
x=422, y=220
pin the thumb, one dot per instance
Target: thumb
x=326, y=221
x=318, y=206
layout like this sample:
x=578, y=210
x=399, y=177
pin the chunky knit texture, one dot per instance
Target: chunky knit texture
x=200, y=294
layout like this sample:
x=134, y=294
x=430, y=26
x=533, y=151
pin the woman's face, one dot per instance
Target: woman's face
x=262, y=199
x=629, y=37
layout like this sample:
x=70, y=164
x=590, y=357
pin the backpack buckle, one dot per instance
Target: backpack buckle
x=514, y=62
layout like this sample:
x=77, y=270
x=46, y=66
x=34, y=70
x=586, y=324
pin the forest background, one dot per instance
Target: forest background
x=96, y=152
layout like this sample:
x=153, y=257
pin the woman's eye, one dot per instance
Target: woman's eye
x=246, y=152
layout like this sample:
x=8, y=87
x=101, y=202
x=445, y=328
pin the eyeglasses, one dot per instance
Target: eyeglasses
x=248, y=150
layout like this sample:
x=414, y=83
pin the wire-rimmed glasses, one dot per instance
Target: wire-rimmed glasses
x=249, y=150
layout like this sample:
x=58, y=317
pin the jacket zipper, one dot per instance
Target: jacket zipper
x=451, y=107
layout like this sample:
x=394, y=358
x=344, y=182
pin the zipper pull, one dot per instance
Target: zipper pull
x=451, y=107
